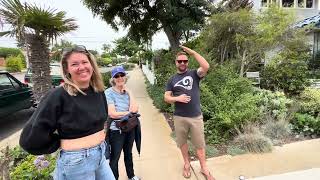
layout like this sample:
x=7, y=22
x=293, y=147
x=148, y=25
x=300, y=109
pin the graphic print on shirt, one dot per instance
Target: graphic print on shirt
x=185, y=83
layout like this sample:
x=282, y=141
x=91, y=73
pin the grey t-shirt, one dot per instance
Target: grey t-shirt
x=186, y=83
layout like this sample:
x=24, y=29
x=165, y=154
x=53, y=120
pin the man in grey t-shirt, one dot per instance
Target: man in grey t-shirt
x=183, y=90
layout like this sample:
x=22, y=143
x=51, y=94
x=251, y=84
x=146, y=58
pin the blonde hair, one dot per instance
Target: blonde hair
x=96, y=79
x=181, y=53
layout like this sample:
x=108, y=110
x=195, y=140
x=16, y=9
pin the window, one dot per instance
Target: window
x=309, y=4
x=14, y=83
x=5, y=83
x=55, y=70
x=287, y=3
x=264, y=3
x=267, y=3
x=305, y=3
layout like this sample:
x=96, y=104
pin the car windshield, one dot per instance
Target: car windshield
x=55, y=70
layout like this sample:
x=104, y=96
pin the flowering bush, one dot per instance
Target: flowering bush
x=34, y=167
x=310, y=102
x=273, y=104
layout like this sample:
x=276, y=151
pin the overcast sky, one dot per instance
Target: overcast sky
x=92, y=31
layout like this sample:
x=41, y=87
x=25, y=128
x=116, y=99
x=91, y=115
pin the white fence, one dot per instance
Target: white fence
x=149, y=74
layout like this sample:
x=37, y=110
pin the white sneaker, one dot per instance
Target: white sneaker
x=135, y=178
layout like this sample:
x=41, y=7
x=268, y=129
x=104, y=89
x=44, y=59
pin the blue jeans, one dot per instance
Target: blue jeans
x=88, y=164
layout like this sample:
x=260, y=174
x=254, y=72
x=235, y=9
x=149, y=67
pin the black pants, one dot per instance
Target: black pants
x=119, y=142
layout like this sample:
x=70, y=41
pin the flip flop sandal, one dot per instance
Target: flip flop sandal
x=186, y=172
x=207, y=175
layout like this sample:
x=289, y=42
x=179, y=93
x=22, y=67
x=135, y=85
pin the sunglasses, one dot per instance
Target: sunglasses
x=76, y=48
x=184, y=61
x=119, y=75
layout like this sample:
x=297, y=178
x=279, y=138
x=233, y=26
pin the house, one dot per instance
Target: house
x=302, y=8
x=307, y=14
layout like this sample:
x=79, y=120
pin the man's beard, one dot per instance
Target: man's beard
x=182, y=68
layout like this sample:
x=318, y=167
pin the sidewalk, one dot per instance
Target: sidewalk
x=287, y=159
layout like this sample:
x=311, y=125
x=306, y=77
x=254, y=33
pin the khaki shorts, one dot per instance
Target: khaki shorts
x=182, y=127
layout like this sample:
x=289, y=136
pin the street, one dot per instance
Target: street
x=13, y=123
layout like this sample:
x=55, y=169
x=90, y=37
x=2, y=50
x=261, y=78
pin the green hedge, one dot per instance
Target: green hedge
x=14, y=64
x=106, y=79
x=6, y=52
x=227, y=103
x=309, y=101
x=306, y=124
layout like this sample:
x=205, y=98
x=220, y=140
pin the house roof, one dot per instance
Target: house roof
x=314, y=21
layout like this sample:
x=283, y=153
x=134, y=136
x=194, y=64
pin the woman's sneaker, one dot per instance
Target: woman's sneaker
x=135, y=178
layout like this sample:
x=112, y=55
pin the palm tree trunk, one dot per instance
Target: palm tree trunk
x=39, y=62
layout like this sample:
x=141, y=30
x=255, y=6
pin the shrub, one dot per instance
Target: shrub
x=17, y=154
x=287, y=72
x=128, y=66
x=306, y=124
x=276, y=130
x=14, y=64
x=309, y=102
x=6, y=52
x=104, y=61
x=134, y=60
x=254, y=142
x=164, y=67
x=227, y=103
x=273, y=105
x=34, y=167
x=106, y=79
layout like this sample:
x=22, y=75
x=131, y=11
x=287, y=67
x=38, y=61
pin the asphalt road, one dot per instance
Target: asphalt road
x=14, y=122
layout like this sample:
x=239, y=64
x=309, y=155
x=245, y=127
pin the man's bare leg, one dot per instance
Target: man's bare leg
x=185, y=154
x=201, y=153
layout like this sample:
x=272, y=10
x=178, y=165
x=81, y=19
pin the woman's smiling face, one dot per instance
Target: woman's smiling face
x=80, y=68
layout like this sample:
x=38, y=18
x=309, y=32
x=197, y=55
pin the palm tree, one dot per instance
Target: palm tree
x=36, y=28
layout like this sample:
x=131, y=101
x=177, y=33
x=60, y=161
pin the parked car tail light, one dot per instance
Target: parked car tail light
x=26, y=81
x=61, y=81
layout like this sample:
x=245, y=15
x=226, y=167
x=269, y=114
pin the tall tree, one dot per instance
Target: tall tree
x=244, y=38
x=126, y=47
x=144, y=18
x=106, y=48
x=36, y=27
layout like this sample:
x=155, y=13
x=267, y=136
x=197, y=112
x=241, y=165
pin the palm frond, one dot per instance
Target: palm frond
x=30, y=18
x=12, y=12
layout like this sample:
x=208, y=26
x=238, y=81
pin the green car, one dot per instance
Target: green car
x=14, y=95
x=54, y=72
